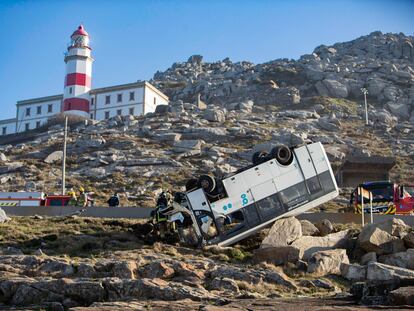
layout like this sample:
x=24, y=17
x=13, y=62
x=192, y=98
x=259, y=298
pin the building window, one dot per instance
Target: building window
x=119, y=112
x=70, y=90
x=37, y=124
x=131, y=95
x=39, y=109
x=131, y=111
x=49, y=108
x=92, y=100
x=106, y=114
x=91, y=115
x=119, y=98
x=4, y=131
x=155, y=101
x=27, y=126
x=107, y=99
x=27, y=112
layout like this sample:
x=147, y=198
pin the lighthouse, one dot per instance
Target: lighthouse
x=78, y=74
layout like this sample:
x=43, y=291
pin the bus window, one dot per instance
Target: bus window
x=270, y=207
x=294, y=195
x=326, y=182
x=314, y=185
x=233, y=222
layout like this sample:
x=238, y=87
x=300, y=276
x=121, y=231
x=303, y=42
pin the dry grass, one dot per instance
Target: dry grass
x=69, y=235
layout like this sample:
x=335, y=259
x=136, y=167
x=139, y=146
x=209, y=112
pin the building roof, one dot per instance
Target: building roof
x=39, y=100
x=364, y=162
x=128, y=86
x=8, y=121
x=80, y=32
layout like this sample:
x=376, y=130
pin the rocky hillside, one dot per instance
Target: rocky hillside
x=382, y=63
x=248, y=108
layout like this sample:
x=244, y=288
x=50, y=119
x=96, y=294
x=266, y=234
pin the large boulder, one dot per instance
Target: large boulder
x=400, y=110
x=277, y=255
x=214, y=115
x=379, y=272
x=327, y=262
x=394, y=226
x=401, y=259
x=325, y=227
x=335, y=88
x=283, y=232
x=368, y=257
x=310, y=244
x=183, y=146
x=402, y=296
x=409, y=240
x=373, y=239
x=308, y=228
x=54, y=157
x=353, y=272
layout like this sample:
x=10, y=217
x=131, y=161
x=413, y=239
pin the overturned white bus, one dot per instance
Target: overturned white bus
x=284, y=182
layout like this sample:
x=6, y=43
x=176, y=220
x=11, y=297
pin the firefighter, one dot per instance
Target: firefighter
x=113, y=200
x=83, y=198
x=159, y=220
x=73, y=201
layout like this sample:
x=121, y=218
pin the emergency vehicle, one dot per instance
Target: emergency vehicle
x=32, y=199
x=387, y=198
x=284, y=182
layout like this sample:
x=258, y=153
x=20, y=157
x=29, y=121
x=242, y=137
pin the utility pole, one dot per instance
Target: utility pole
x=365, y=92
x=64, y=157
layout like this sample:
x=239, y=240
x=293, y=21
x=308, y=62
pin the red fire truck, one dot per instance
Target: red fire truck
x=387, y=198
x=32, y=199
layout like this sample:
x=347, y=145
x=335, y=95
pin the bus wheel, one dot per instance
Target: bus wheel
x=207, y=182
x=259, y=157
x=282, y=154
x=191, y=184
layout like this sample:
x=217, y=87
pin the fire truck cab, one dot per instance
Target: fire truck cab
x=32, y=199
x=387, y=198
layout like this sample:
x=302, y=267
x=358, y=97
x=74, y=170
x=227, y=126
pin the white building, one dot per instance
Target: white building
x=79, y=99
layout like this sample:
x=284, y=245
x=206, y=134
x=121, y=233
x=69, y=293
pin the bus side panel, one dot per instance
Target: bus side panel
x=305, y=162
x=263, y=190
x=234, y=185
x=319, y=157
x=289, y=179
x=256, y=175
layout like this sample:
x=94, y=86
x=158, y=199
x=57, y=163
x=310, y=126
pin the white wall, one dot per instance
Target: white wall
x=99, y=107
x=150, y=95
x=10, y=126
x=34, y=117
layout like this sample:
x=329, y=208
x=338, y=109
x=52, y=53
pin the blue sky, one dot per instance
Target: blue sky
x=131, y=40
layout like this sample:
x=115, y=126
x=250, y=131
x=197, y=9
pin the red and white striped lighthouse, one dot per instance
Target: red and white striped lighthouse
x=78, y=74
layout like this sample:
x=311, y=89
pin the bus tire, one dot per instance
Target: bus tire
x=207, y=182
x=282, y=154
x=259, y=157
x=191, y=184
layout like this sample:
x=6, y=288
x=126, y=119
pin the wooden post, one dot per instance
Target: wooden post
x=370, y=203
x=362, y=205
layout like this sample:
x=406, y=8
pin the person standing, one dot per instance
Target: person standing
x=83, y=198
x=113, y=200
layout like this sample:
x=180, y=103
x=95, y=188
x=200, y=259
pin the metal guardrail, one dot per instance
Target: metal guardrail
x=143, y=212
x=96, y=211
